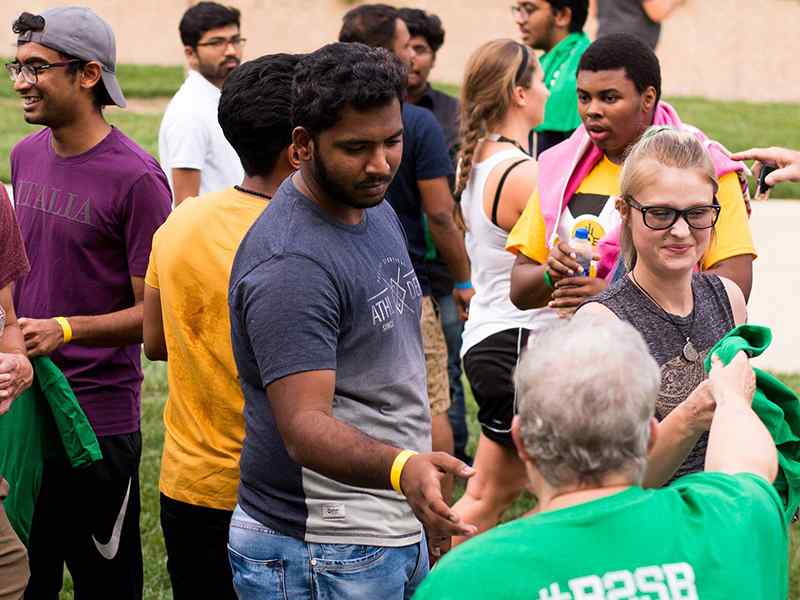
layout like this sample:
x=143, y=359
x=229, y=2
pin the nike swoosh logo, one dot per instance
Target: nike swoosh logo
x=109, y=549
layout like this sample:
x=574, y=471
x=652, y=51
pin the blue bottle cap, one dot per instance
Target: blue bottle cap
x=582, y=233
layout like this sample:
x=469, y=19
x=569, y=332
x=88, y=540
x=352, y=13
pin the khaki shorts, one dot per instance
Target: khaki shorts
x=435, y=358
x=13, y=557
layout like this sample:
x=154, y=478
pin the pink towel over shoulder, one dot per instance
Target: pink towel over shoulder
x=563, y=168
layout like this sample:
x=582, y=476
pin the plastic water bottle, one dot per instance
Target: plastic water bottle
x=583, y=250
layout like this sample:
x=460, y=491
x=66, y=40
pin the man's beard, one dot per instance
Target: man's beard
x=333, y=189
x=217, y=72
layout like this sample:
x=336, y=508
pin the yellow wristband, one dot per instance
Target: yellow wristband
x=66, y=328
x=397, y=469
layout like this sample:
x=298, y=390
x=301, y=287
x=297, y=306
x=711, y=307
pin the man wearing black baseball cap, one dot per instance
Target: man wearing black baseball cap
x=88, y=200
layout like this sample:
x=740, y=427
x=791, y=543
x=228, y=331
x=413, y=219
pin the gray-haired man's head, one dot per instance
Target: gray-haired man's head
x=587, y=392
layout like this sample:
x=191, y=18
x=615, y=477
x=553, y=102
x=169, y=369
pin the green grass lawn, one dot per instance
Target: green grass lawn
x=156, y=580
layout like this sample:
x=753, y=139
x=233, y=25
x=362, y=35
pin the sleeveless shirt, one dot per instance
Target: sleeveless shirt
x=491, y=310
x=679, y=377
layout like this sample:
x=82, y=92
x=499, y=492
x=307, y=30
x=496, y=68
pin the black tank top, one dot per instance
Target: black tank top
x=679, y=377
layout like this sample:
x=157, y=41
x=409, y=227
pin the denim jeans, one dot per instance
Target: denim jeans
x=453, y=327
x=268, y=565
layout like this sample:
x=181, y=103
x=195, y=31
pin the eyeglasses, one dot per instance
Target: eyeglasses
x=521, y=13
x=30, y=73
x=664, y=217
x=220, y=43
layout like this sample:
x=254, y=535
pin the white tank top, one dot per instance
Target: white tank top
x=491, y=310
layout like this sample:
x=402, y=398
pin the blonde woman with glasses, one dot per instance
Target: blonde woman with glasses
x=669, y=208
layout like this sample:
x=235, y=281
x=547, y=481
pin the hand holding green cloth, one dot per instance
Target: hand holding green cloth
x=45, y=421
x=776, y=405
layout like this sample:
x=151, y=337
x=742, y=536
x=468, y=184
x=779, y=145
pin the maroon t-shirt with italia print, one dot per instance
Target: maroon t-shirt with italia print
x=88, y=222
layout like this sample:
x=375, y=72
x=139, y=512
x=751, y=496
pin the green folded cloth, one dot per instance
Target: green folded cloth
x=776, y=405
x=44, y=422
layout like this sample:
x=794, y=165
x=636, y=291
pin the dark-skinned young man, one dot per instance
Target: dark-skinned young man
x=619, y=97
x=88, y=200
x=336, y=467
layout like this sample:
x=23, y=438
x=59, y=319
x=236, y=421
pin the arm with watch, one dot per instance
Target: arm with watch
x=119, y=328
x=439, y=206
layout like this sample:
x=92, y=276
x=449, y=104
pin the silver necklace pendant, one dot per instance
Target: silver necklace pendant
x=689, y=351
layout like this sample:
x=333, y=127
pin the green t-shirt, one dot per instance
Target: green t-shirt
x=707, y=536
x=560, y=67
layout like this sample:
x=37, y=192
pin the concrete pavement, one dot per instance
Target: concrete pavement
x=775, y=299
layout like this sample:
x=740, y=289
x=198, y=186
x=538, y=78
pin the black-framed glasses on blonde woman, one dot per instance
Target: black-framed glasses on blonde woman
x=663, y=217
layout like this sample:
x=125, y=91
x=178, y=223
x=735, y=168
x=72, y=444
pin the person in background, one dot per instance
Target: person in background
x=16, y=375
x=420, y=192
x=193, y=150
x=427, y=36
x=587, y=393
x=336, y=468
x=619, y=98
x=186, y=322
x=668, y=206
x=88, y=200
x=556, y=27
x=503, y=97
x=787, y=163
x=641, y=18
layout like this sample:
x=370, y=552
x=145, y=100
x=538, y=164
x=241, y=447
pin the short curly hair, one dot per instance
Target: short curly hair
x=340, y=75
x=255, y=110
x=424, y=25
x=624, y=51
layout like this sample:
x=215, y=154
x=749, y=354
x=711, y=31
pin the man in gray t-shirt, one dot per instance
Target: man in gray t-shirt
x=325, y=318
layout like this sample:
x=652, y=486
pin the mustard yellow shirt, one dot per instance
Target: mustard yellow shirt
x=589, y=207
x=190, y=265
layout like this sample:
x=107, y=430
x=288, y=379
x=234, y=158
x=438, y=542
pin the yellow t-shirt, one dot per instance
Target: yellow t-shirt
x=592, y=206
x=190, y=265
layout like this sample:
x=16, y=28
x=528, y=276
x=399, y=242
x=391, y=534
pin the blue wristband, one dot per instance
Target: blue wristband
x=463, y=285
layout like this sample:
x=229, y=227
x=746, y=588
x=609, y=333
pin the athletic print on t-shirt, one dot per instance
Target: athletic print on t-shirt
x=398, y=288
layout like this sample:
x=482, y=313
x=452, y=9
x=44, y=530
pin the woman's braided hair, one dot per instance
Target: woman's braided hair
x=489, y=82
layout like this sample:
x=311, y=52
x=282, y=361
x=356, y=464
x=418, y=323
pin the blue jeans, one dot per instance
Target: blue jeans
x=453, y=327
x=267, y=565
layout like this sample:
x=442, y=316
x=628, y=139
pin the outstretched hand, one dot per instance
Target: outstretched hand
x=421, y=482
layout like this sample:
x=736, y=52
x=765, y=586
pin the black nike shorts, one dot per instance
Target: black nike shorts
x=489, y=366
x=88, y=519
